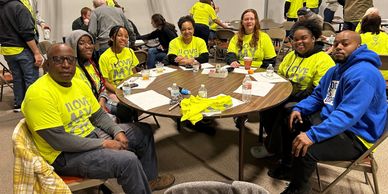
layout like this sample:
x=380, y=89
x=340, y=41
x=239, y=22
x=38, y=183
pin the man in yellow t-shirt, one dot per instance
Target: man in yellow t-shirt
x=291, y=8
x=78, y=138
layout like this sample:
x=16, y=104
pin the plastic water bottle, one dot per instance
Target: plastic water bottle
x=246, y=89
x=270, y=70
x=175, y=93
x=331, y=39
x=202, y=92
x=126, y=88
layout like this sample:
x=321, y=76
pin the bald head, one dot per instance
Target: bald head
x=344, y=44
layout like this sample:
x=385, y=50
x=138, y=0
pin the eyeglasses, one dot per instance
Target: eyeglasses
x=61, y=59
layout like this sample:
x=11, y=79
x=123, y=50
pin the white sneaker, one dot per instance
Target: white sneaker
x=260, y=152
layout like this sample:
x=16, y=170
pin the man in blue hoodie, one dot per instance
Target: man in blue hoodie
x=353, y=109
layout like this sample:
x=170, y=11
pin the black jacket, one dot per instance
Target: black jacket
x=165, y=35
x=78, y=24
x=17, y=24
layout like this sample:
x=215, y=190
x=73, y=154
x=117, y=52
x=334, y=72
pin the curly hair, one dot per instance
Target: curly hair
x=256, y=30
x=185, y=19
x=370, y=23
x=310, y=25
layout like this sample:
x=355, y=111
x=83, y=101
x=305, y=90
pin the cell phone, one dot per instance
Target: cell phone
x=132, y=85
x=189, y=66
x=230, y=69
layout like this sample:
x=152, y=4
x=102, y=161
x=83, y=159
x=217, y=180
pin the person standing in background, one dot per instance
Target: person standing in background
x=32, y=6
x=291, y=8
x=82, y=22
x=354, y=10
x=19, y=47
x=313, y=5
x=102, y=19
x=203, y=12
x=165, y=32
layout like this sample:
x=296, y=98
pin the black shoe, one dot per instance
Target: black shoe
x=291, y=189
x=282, y=172
x=16, y=108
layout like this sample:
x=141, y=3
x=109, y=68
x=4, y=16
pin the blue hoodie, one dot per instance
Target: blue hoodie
x=351, y=97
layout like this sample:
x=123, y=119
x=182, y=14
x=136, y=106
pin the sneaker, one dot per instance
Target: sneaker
x=291, y=189
x=282, y=172
x=162, y=182
x=260, y=152
x=16, y=108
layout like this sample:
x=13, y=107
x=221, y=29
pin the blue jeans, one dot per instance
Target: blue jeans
x=24, y=73
x=154, y=55
x=133, y=168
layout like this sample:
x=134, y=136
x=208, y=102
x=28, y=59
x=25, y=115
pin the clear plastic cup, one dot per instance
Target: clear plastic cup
x=196, y=67
x=159, y=67
x=247, y=62
x=145, y=74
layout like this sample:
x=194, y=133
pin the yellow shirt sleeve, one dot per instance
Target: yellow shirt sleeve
x=268, y=48
x=173, y=46
x=201, y=45
x=232, y=47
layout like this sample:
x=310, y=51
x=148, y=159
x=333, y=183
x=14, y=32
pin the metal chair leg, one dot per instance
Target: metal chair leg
x=319, y=178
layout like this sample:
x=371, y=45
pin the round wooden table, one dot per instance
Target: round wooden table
x=215, y=86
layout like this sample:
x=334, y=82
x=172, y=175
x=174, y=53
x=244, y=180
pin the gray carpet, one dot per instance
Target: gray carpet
x=196, y=156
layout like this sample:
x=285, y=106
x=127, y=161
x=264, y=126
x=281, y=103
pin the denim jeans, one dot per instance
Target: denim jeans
x=133, y=168
x=24, y=73
x=202, y=31
x=154, y=55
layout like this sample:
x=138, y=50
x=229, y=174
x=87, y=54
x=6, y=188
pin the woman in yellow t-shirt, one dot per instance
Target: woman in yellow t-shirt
x=250, y=42
x=117, y=63
x=203, y=13
x=304, y=67
x=372, y=35
x=186, y=48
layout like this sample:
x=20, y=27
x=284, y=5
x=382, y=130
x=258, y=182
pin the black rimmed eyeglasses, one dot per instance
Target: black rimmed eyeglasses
x=61, y=59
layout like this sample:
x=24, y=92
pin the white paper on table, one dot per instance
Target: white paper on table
x=139, y=42
x=206, y=65
x=262, y=77
x=242, y=70
x=235, y=102
x=142, y=84
x=185, y=69
x=258, y=88
x=154, y=73
x=148, y=99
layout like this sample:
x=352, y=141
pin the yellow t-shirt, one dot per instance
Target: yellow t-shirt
x=377, y=43
x=312, y=3
x=6, y=50
x=196, y=47
x=79, y=74
x=48, y=105
x=113, y=69
x=305, y=72
x=264, y=50
x=202, y=13
x=294, y=7
x=110, y=3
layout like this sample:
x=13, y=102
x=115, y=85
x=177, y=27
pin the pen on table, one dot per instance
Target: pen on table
x=174, y=106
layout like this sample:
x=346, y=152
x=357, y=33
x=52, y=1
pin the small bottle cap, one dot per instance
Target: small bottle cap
x=174, y=84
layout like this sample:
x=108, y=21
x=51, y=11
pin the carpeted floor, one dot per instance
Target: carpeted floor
x=192, y=156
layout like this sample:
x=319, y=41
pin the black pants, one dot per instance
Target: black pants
x=345, y=146
x=202, y=31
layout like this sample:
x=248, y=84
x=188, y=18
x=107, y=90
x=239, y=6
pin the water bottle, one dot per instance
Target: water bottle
x=331, y=39
x=175, y=93
x=246, y=89
x=202, y=92
x=270, y=70
x=126, y=88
